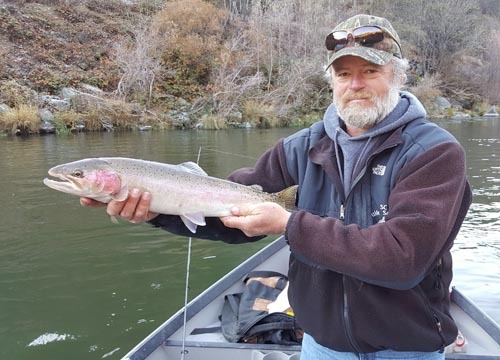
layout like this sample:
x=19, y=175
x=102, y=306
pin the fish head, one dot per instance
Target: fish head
x=92, y=178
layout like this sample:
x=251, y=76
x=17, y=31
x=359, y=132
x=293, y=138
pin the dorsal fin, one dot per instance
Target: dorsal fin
x=193, y=168
x=288, y=197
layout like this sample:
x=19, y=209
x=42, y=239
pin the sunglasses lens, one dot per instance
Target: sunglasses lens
x=364, y=36
x=368, y=35
x=336, y=40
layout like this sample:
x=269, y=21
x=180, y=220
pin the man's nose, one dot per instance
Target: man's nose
x=357, y=82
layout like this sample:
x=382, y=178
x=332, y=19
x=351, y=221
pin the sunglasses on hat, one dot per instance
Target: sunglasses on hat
x=368, y=36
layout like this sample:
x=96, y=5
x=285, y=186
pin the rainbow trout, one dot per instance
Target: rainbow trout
x=185, y=189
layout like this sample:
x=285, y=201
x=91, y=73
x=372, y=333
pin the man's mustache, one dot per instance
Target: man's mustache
x=357, y=96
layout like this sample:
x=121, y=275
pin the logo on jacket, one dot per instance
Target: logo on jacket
x=383, y=210
x=379, y=170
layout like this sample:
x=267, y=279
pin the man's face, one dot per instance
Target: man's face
x=364, y=93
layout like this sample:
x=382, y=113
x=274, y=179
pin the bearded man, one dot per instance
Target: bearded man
x=382, y=195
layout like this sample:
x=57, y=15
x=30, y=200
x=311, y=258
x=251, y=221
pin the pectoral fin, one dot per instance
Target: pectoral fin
x=122, y=194
x=193, y=220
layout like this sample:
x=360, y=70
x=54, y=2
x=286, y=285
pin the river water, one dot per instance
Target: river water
x=73, y=285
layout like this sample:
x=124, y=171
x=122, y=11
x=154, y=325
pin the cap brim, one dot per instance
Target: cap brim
x=377, y=57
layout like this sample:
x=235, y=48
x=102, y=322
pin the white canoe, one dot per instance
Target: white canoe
x=168, y=342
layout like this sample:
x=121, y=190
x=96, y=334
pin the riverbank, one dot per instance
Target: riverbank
x=86, y=112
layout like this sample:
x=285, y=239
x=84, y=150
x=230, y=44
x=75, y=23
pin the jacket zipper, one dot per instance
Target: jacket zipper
x=368, y=161
x=434, y=317
x=347, y=323
x=440, y=332
x=345, y=308
x=439, y=276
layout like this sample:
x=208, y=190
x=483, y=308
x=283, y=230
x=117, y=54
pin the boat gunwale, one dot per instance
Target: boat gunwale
x=484, y=320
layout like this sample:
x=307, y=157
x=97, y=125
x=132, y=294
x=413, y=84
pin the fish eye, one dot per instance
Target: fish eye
x=77, y=173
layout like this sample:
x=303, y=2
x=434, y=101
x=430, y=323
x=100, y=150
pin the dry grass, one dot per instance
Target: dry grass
x=20, y=120
x=214, y=122
x=260, y=114
x=106, y=113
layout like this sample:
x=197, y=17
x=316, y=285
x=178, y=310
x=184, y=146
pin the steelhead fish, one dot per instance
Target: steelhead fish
x=183, y=189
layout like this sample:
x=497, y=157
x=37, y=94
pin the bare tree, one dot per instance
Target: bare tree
x=139, y=61
x=233, y=80
x=490, y=79
x=440, y=30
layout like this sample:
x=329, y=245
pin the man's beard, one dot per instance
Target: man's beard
x=363, y=116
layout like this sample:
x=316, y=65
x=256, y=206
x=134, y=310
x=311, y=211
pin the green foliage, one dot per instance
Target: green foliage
x=66, y=122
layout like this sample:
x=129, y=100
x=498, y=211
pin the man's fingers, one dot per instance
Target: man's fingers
x=87, y=202
x=142, y=212
x=115, y=208
x=134, y=209
x=262, y=219
x=128, y=207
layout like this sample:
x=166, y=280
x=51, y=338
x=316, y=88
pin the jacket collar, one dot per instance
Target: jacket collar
x=323, y=154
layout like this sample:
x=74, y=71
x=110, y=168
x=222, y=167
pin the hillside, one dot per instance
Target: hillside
x=46, y=46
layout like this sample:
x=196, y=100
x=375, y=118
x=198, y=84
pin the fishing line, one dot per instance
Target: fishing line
x=186, y=289
x=228, y=153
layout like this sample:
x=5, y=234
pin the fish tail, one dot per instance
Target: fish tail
x=288, y=197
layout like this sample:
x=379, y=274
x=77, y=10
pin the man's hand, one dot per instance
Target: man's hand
x=263, y=219
x=134, y=209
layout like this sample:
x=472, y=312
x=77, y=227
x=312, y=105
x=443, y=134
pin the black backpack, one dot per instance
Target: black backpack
x=245, y=317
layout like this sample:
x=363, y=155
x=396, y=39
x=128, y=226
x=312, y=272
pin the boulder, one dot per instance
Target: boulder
x=92, y=89
x=46, y=116
x=461, y=115
x=53, y=102
x=47, y=128
x=180, y=119
x=4, y=108
x=69, y=93
x=442, y=103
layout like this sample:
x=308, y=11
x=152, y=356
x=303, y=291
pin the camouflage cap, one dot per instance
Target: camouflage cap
x=379, y=53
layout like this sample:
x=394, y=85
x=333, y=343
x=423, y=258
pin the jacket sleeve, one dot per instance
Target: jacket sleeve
x=426, y=208
x=269, y=172
x=214, y=230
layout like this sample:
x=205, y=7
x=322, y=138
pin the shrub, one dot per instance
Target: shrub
x=13, y=93
x=67, y=121
x=20, y=120
x=260, y=114
x=213, y=122
x=192, y=32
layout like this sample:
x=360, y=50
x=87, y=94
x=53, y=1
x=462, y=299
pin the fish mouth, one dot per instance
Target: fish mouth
x=64, y=183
